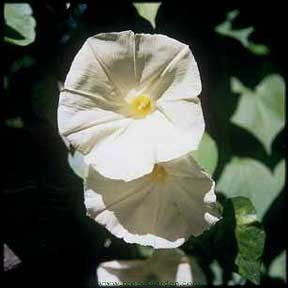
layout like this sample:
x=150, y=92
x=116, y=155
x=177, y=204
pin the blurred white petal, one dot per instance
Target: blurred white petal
x=165, y=267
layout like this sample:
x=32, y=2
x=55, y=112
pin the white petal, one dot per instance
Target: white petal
x=115, y=52
x=106, y=69
x=84, y=129
x=192, y=190
x=116, y=272
x=111, y=64
x=166, y=67
x=130, y=210
x=145, y=142
x=127, y=157
x=167, y=267
x=93, y=70
x=144, y=211
x=78, y=165
x=185, y=114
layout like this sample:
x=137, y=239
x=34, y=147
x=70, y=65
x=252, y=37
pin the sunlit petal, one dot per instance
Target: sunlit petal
x=161, y=209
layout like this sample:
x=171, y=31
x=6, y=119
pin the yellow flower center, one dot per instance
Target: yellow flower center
x=141, y=106
x=158, y=174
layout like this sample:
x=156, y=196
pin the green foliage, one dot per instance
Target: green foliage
x=145, y=251
x=234, y=245
x=148, y=11
x=207, y=154
x=19, y=24
x=261, y=111
x=242, y=35
x=250, y=239
x=22, y=63
x=218, y=274
x=250, y=178
x=16, y=122
x=278, y=267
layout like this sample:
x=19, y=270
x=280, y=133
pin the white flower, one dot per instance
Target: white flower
x=165, y=267
x=130, y=101
x=161, y=209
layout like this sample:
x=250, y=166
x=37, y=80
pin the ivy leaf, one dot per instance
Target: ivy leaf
x=145, y=251
x=250, y=238
x=250, y=178
x=261, y=111
x=218, y=274
x=15, y=122
x=277, y=268
x=207, y=154
x=242, y=35
x=148, y=11
x=19, y=24
x=22, y=63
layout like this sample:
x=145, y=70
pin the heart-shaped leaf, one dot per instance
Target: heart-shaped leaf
x=261, y=111
x=277, y=268
x=207, y=154
x=250, y=178
x=242, y=35
x=19, y=24
x=148, y=11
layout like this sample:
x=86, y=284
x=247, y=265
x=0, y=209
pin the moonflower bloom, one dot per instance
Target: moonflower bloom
x=130, y=101
x=161, y=209
x=165, y=267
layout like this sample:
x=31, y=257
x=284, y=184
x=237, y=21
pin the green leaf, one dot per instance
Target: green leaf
x=250, y=178
x=250, y=239
x=22, y=63
x=277, y=268
x=207, y=154
x=242, y=35
x=16, y=122
x=148, y=11
x=261, y=111
x=145, y=251
x=19, y=24
x=218, y=274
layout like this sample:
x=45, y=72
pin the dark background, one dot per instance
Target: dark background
x=44, y=218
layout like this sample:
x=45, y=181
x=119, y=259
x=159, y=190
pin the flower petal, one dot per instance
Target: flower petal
x=88, y=80
x=148, y=141
x=130, y=210
x=119, y=272
x=85, y=129
x=144, y=211
x=165, y=267
x=107, y=69
x=110, y=65
x=166, y=67
x=115, y=52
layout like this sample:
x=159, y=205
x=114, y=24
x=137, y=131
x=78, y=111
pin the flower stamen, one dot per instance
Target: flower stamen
x=141, y=106
x=158, y=174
